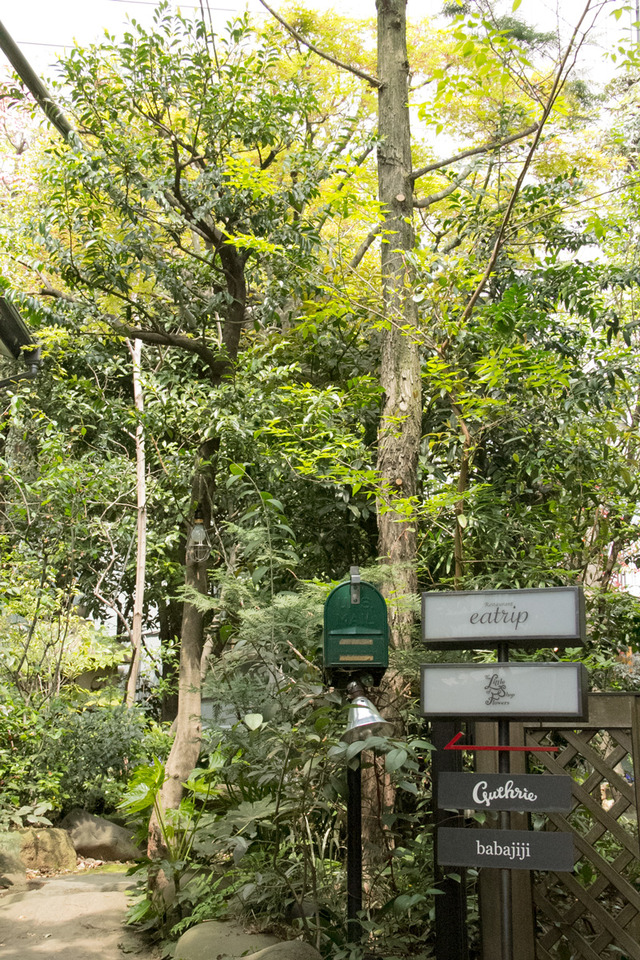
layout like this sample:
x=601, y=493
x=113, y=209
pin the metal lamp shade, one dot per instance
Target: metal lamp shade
x=365, y=721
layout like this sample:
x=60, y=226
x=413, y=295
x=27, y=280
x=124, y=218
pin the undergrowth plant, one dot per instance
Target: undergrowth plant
x=261, y=830
x=55, y=755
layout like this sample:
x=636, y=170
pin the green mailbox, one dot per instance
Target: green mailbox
x=356, y=632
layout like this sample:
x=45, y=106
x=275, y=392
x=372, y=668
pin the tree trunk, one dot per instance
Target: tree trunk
x=186, y=745
x=169, y=620
x=135, y=349
x=463, y=484
x=400, y=425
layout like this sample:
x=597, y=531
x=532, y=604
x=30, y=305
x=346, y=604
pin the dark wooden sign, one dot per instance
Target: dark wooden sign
x=506, y=849
x=502, y=791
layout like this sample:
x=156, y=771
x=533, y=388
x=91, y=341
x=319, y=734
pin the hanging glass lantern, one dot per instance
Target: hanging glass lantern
x=198, y=544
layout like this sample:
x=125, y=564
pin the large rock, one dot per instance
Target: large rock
x=213, y=939
x=98, y=838
x=36, y=848
x=12, y=869
x=47, y=849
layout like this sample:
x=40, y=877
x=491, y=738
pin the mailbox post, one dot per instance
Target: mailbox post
x=356, y=648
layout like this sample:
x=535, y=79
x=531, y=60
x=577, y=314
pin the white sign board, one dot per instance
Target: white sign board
x=550, y=617
x=505, y=690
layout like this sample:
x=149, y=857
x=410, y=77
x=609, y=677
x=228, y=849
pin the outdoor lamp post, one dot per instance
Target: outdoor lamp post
x=356, y=648
x=364, y=721
x=16, y=340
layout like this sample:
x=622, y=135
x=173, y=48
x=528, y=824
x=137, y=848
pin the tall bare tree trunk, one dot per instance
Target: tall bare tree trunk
x=135, y=349
x=186, y=745
x=400, y=425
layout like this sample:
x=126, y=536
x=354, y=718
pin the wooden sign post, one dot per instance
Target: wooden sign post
x=503, y=691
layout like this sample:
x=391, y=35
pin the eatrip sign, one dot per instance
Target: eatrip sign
x=551, y=616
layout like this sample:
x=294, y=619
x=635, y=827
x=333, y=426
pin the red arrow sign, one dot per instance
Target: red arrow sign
x=454, y=745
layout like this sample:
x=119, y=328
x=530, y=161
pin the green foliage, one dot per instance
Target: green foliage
x=54, y=757
x=30, y=815
x=220, y=190
x=261, y=827
x=25, y=778
x=186, y=157
x=51, y=649
x=97, y=750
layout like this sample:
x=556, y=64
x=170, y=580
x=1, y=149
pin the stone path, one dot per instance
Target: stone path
x=79, y=916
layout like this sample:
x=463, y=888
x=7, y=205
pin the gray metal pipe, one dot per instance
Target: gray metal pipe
x=28, y=75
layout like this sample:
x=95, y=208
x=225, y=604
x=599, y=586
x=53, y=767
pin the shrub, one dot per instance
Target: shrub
x=56, y=756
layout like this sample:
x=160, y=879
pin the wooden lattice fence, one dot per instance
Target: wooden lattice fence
x=594, y=912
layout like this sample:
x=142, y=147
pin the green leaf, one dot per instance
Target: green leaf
x=139, y=911
x=253, y=720
x=405, y=901
x=138, y=798
x=356, y=748
x=259, y=573
x=394, y=759
x=409, y=787
x=421, y=745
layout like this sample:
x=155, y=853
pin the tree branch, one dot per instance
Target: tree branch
x=555, y=90
x=364, y=246
x=207, y=232
x=374, y=81
x=116, y=609
x=190, y=344
x=217, y=364
x=434, y=197
x=474, y=151
x=28, y=75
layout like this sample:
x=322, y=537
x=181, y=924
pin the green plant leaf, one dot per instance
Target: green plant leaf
x=394, y=759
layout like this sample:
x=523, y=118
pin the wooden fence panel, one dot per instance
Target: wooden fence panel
x=594, y=912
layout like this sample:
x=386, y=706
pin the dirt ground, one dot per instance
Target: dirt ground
x=76, y=915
